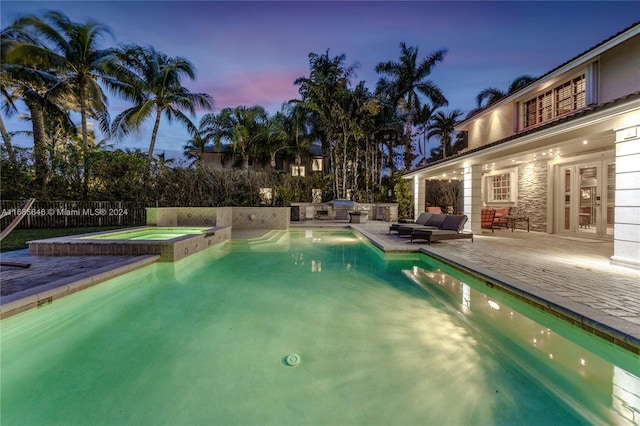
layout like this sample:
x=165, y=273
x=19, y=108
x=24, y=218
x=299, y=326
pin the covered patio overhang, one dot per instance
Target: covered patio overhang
x=613, y=132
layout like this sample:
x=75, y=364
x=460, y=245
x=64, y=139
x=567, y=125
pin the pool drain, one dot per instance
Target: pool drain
x=292, y=360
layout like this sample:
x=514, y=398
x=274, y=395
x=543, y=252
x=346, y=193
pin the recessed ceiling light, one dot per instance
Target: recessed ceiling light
x=584, y=142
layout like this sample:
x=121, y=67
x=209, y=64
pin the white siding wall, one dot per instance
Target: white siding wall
x=620, y=70
x=626, y=248
x=496, y=125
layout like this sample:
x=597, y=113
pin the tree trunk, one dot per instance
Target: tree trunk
x=40, y=151
x=344, y=163
x=444, y=148
x=391, y=163
x=85, y=143
x=336, y=172
x=367, y=169
x=408, y=147
x=356, y=168
x=7, y=141
x=154, y=134
x=245, y=160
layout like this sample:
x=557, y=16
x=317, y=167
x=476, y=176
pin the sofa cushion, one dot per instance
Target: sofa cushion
x=423, y=218
x=486, y=217
x=435, y=220
x=454, y=222
x=502, y=211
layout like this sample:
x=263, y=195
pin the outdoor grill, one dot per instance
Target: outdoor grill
x=342, y=208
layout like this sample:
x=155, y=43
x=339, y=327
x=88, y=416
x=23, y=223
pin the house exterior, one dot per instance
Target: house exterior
x=311, y=161
x=563, y=151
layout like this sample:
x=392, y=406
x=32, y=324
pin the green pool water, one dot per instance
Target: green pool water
x=381, y=340
x=152, y=234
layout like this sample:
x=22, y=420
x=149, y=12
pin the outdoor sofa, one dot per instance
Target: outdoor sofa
x=404, y=222
x=435, y=221
x=450, y=229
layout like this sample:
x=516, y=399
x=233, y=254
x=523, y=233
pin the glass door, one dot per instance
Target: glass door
x=588, y=199
x=609, y=197
x=586, y=195
x=566, y=182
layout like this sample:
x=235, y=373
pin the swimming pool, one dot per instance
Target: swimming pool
x=381, y=339
x=148, y=233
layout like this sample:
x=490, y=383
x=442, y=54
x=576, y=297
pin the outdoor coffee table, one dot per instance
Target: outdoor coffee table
x=511, y=221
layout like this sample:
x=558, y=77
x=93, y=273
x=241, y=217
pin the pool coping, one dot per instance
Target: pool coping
x=169, y=250
x=606, y=326
x=35, y=297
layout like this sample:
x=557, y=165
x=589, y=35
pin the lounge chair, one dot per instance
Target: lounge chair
x=419, y=221
x=501, y=217
x=434, y=222
x=451, y=229
x=487, y=217
x=16, y=220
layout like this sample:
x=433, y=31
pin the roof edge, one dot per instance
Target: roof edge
x=622, y=36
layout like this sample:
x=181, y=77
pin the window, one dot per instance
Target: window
x=500, y=187
x=266, y=196
x=565, y=98
x=316, y=195
x=297, y=171
x=316, y=165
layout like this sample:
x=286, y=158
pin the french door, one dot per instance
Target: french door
x=586, y=196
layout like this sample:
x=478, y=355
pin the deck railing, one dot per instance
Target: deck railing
x=73, y=214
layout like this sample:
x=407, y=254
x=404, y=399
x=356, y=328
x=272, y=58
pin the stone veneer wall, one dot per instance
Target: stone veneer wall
x=182, y=216
x=261, y=217
x=236, y=217
x=224, y=216
x=532, y=194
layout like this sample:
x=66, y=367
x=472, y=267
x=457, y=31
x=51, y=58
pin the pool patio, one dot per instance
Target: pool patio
x=569, y=277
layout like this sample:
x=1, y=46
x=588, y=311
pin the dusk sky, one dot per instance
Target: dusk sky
x=249, y=53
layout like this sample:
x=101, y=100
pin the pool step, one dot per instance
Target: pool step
x=275, y=240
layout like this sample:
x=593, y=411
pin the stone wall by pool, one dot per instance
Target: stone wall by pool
x=236, y=217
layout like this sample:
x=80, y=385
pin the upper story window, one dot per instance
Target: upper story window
x=298, y=171
x=567, y=97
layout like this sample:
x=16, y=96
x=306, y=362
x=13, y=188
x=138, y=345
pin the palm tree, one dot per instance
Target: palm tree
x=388, y=134
x=71, y=50
x=8, y=38
x=244, y=127
x=424, y=120
x=154, y=81
x=9, y=108
x=281, y=135
x=443, y=127
x=324, y=93
x=490, y=95
x=408, y=80
x=199, y=143
x=22, y=79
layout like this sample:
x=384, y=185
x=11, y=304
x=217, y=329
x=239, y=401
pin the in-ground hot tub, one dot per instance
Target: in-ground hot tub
x=170, y=243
